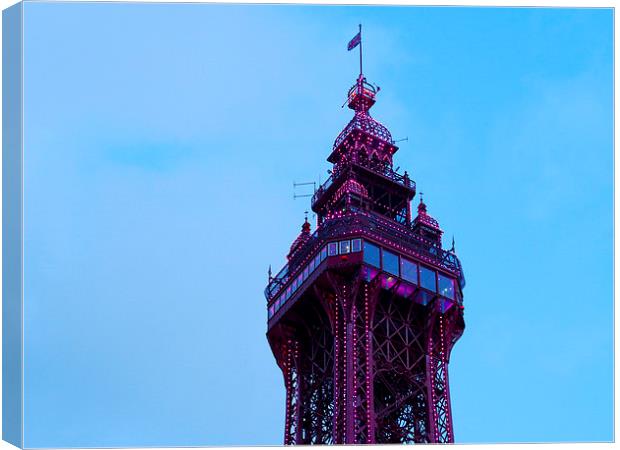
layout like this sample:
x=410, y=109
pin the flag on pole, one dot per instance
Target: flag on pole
x=355, y=41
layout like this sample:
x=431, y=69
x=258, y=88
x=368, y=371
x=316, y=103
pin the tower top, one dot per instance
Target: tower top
x=361, y=96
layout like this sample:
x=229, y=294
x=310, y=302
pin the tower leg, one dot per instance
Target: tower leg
x=440, y=417
x=292, y=428
x=340, y=370
x=362, y=313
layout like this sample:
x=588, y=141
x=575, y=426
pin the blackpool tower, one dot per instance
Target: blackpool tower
x=363, y=317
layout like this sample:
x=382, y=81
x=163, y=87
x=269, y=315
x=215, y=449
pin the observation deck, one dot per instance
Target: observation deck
x=337, y=235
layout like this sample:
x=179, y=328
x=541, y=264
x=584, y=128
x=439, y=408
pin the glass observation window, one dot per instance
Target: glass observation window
x=372, y=254
x=427, y=279
x=317, y=260
x=345, y=247
x=356, y=245
x=446, y=286
x=299, y=280
x=305, y=273
x=323, y=253
x=390, y=262
x=311, y=266
x=332, y=248
x=408, y=270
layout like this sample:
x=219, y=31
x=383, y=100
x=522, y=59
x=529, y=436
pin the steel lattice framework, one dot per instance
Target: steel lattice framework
x=364, y=316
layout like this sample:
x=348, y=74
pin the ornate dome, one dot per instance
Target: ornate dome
x=303, y=237
x=364, y=122
x=424, y=218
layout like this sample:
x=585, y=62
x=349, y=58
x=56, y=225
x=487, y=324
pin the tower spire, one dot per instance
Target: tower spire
x=305, y=228
x=422, y=205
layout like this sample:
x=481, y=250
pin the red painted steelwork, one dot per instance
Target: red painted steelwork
x=363, y=344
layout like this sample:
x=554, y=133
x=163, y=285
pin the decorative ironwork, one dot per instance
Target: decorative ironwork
x=400, y=335
x=364, y=122
x=363, y=344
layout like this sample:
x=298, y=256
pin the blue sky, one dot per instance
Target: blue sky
x=161, y=144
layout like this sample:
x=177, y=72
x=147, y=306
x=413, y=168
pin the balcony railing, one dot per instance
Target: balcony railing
x=322, y=188
x=379, y=169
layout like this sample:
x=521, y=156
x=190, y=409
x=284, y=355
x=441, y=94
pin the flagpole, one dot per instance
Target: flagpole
x=361, y=72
